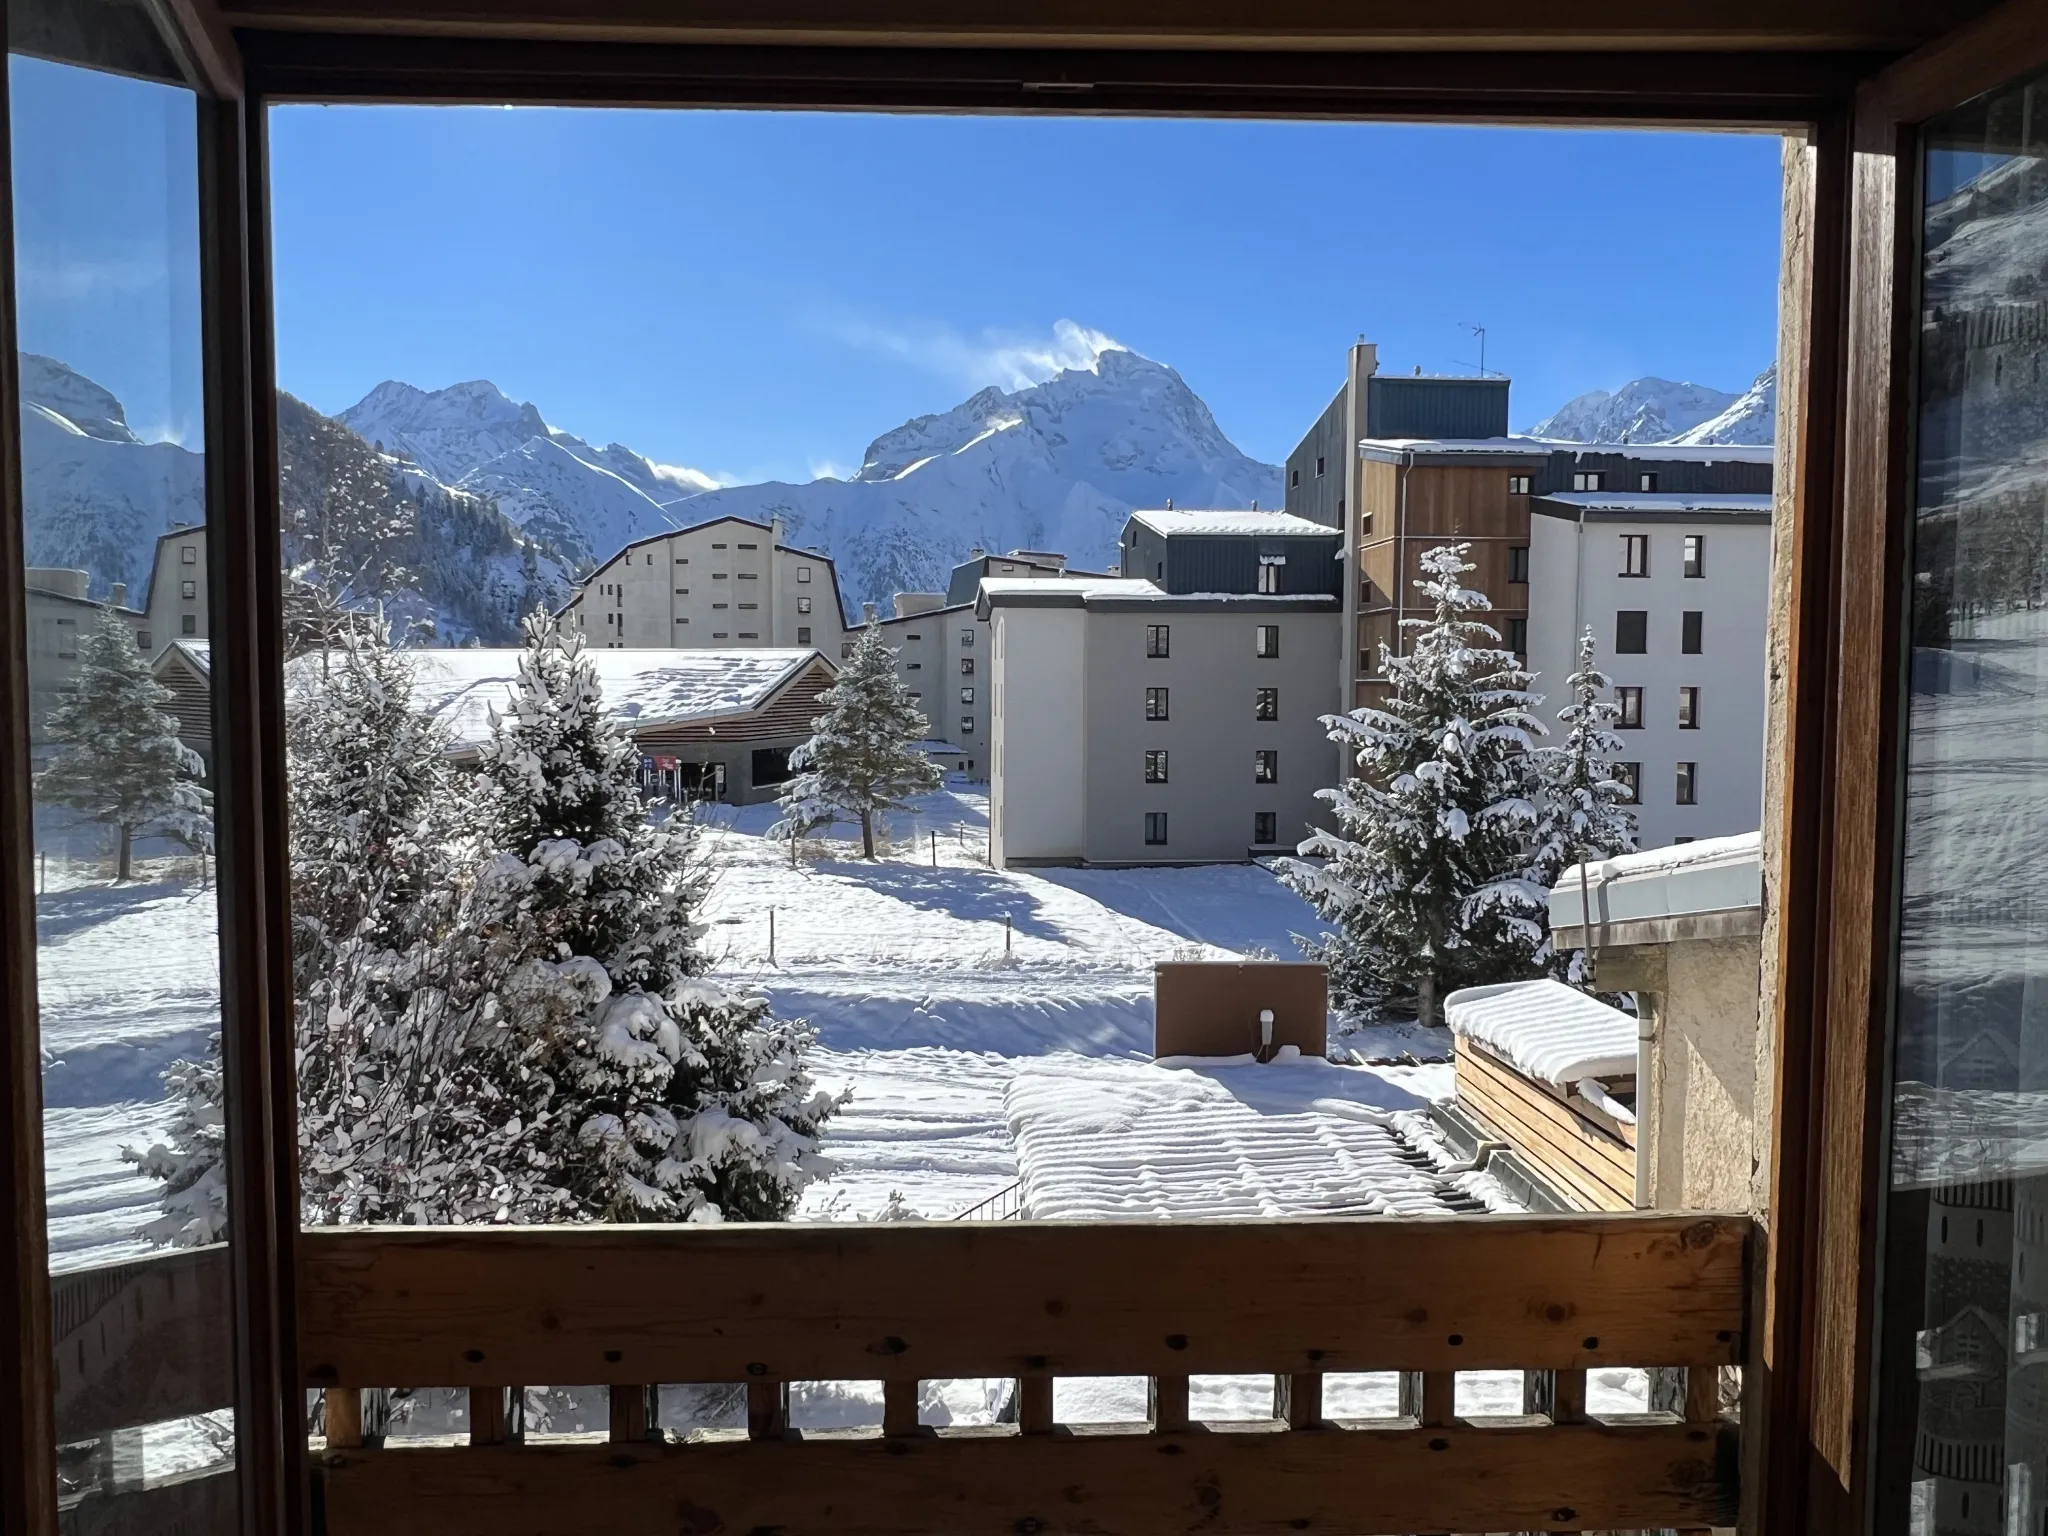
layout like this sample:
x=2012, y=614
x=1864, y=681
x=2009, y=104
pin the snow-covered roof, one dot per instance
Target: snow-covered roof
x=1284, y=524
x=197, y=652
x=1546, y=1030
x=1662, y=501
x=1712, y=874
x=1220, y=1138
x=642, y=687
x=1691, y=453
x=1115, y=589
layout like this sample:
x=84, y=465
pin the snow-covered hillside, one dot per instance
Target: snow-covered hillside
x=1057, y=466
x=1647, y=410
x=94, y=495
x=1752, y=417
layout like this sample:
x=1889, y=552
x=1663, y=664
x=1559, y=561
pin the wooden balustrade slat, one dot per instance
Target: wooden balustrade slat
x=1702, y=1394
x=343, y=1416
x=899, y=1407
x=1034, y=1403
x=489, y=1418
x=1439, y=1397
x=632, y=1413
x=1568, y=1398
x=767, y=1409
x=143, y=1340
x=1298, y=1399
x=1168, y=1403
x=1332, y=1483
x=487, y=1306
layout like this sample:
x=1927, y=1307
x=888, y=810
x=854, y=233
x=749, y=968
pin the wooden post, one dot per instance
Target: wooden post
x=899, y=1407
x=1006, y=933
x=1702, y=1394
x=1439, y=1398
x=1034, y=1403
x=632, y=1415
x=771, y=935
x=1568, y=1397
x=489, y=1420
x=767, y=1409
x=344, y=1418
x=1298, y=1399
x=1169, y=1403
x=935, y=850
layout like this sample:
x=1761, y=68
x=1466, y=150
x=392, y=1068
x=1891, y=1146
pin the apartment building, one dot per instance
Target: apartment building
x=1137, y=724
x=174, y=607
x=1674, y=586
x=727, y=584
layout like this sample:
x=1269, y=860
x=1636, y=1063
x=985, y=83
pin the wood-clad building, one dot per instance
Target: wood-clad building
x=186, y=668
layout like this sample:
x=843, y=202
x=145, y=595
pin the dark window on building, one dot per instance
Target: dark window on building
x=1293, y=478
x=1688, y=709
x=803, y=634
x=966, y=639
x=1691, y=625
x=755, y=634
x=1695, y=554
x=1155, y=703
x=1632, y=632
x=913, y=637
x=803, y=605
x=1647, y=481
x=189, y=589
x=1519, y=485
x=720, y=576
x=1268, y=705
x=1594, y=480
x=67, y=638
x=1269, y=578
x=1518, y=562
x=1157, y=640
x=682, y=591
x=682, y=559
x=142, y=640
x=1518, y=636
x=803, y=575
x=748, y=546
x=771, y=766
x=1688, y=782
x=1265, y=828
x=1631, y=702
x=1635, y=554
x=1155, y=765
x=1319, y=466
x=1155, y=827
x=967, y=666
x=750, y=605
x=1265, y=767
x=966, y=695
x=1630, y=777
x=845, y=650
x=1267, y=643
x=189, y=625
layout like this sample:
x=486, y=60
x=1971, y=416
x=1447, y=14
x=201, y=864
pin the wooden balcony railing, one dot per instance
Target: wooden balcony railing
x=634, y=1307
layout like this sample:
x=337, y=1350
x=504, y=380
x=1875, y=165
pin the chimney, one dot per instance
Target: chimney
x=774, y=532
x=118, y=598
x=867, y=613
x=976, y=553
x=1365, y=358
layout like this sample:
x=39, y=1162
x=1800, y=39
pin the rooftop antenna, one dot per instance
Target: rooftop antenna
x=1480, y=332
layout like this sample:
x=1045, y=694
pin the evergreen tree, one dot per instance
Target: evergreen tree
x=862, y=758
x=120, y=762
x=1427, y=877
x=1584, y=805
x=670, y=1099
x=192, y=1164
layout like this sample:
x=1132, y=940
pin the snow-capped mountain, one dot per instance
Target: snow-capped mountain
x=1055, y=466
x=1752, y=417
x=585, y=501
x=1648, y=410
x=94, y=495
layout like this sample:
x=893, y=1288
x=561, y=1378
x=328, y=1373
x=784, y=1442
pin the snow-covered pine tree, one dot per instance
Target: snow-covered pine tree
x=1585, y=813
x=862, y=758
x=671, y=1099
x=1426, y=879
x=120, y=763
x=192, y=1163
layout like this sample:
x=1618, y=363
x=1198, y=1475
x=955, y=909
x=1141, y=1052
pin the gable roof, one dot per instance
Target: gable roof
x=1172, y=520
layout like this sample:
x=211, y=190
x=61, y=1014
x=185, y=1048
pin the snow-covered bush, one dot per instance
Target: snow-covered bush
x=1585, y=814
x=1427, y=878
x=862, y=758
x=119, y=762
x=191, y=1163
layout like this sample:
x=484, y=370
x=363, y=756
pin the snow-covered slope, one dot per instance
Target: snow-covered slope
x=1751, y=418
x=94, y=495
x=1648, y=410
x=1054, y=466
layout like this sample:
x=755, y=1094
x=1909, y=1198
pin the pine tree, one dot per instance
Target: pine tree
x=121, y=764
x=191, y=1165
x=671, y=1100
x=1427, y=877
x=862, y=758
x=1584, y=805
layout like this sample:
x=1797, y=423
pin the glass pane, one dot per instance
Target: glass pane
x=113, y=481
x=1964, y=1368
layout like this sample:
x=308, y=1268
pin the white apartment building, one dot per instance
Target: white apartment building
x=1675, y=588
x=726, y=585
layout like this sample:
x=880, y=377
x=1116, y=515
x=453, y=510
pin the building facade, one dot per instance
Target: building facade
x=727, y=584
x=1675, y=587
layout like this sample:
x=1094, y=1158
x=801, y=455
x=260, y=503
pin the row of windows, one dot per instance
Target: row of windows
x=1630, y=777
x=1635, y=554
x=1631, y=702
x=1265, y=704
x=1632, y=632
x=1159, y=640
x=1265, y=828
x=1265, y=766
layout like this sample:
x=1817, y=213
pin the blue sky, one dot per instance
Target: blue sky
x=760, y=294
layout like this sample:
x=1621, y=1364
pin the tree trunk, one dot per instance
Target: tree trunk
x=1425, y=999
x=126, y=859
x=867, y=834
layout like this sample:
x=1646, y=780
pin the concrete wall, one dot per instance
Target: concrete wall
x=931, y=648
x=1037, y=809
x=725, y=584
x=1575, y=582
x=1212, y=676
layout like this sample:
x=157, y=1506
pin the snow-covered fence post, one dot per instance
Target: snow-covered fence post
x=935, y=848
x=771, y=935
x=1006, y=933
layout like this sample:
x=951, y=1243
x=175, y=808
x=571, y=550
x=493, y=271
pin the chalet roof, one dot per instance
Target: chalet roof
x=1652, y=506
x=1173, y=521
x=1109, y=591
x=643, y=688
x=1523, y=447
x=198, y=654
x=1546, y=1030
x=1187, y=1138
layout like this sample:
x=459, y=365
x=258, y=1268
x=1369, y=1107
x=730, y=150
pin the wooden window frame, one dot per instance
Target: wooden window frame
x=1842, y=500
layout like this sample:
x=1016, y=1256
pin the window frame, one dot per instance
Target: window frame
x=1622, y=620
x=1693, y=556
x=1157, y=703
x=1155, y=829
x=1265, y=765
x=1629, y=699
x=1156, y=766
x=1266, y=642
x=1158, y=642
x=1635, y=557
x=1266, y=703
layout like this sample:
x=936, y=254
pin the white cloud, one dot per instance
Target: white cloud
x=827, y=469
x=688, y=479
x=51, y=278
x=1009, y=360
